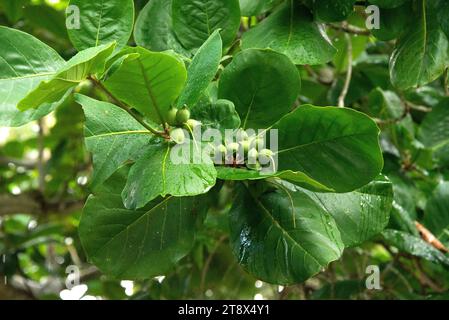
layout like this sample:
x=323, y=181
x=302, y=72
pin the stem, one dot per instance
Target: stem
x=344, y=92
x=126, y=108
x=351, y=29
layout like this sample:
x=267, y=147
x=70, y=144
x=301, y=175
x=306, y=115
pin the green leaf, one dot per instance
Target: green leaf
x=443, y=13
x=194, y=21
x=263, y=85
x=13, y=9
x=385, y=104
x=434, y=131
x=415, y=246
x=336, y=147
x=168, y=170
x=47, y=19
x=341, y=290
x=21, y=71
x=138, y=244
x=254, y=7
x=388, y=4
x=436, y=217
x=421, y=54
x=154, y=29
x=282, y=236
x=333, y=10
x=202, y=70
x=240, y=174
x=393, y=22
x=102, y=22
x=218, y=114
x=112, y=136
x=77, y=69
x=153, y=82
x=292, y=31
x=361, y=214
x=340, y=59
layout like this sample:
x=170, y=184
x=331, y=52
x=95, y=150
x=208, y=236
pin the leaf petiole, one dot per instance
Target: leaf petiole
x=125, y=107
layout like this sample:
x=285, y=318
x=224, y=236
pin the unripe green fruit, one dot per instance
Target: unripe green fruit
x=192, y=124
x=171, y=116
x=245, y=145
x=219, y=154
x=253, y=154
x=221, y=149
x=177, y=135
x=233, y=148
x=84, y=87
x=242, y=135
x=265, y=156
x=258, y=143
x=182, y=115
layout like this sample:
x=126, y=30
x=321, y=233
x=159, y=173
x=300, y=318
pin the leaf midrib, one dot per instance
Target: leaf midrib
x=97, y=39
x=150, y=91
x=119, y=133
x=35, y=75
x=145, y=214
x=323, y=141
x=424, y=20
x=276, y=223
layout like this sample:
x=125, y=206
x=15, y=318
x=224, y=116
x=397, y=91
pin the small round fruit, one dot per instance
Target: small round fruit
x=183, y=115
x=192, y=124
x=221, y=149
x=233, y=148
x=171, y=116
x=265, y=156
x=245, y=145
x=258, y=143
x=84, y=87
x=220, y=154
x=242, y=135
x=253, y=154
x=178, y=136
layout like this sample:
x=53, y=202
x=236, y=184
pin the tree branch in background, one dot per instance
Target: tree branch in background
x=344, y=91
x=8, y=292
x=125, y=107
x=34, y=204
x=350, y=29
x=208, y=262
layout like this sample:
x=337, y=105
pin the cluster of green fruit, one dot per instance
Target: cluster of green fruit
x=242, y=151
x=179, y=119
x=246, y=151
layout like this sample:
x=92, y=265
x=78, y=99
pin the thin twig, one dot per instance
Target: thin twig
x=344, y=92
x=127, y=108
x=350, y=29
x=316, y=76
x=424, y=279
x=419, y=107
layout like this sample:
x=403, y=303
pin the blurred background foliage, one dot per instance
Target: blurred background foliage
x=45, y=170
